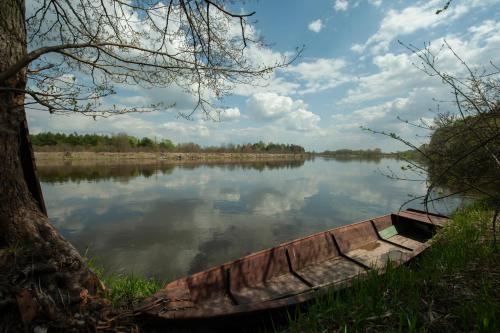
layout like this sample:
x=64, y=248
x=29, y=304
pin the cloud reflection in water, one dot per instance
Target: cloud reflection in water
x=166, y=221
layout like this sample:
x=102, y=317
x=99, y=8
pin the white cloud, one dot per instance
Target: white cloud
x=130, y=95
x=358, y=48
x=278, y=85
x=268, y=106
x=413, y=18
x=230, y=114
x=263, y=56
x=398, y=89
x=315, y=26
x=320, y=74
x=487, y=29
x=341, y=5
x=481, y=48
x=293, y=114
x=384, y=115
x=182, y=129
x=397, y=23
x=376, y=3
x=303, y=78
x=282, y=129
x=302, y=120
x=372, y=113
x=139, y=125
x=397, y=76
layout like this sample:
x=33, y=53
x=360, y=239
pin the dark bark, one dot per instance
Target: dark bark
x=42, y=276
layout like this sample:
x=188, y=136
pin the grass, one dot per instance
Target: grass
x=453, y=286
x=121, y=290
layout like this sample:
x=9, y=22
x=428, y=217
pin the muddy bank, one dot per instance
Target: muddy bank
x=149, y=157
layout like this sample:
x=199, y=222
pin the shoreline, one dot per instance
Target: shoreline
x=47, y=157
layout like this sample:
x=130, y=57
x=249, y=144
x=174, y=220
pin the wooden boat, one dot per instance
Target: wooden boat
x=296, y=271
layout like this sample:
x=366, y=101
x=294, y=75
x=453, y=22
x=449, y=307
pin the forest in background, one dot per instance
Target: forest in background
x=122, y=142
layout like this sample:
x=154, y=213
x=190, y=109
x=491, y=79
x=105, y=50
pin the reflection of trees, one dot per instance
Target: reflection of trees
x=73, y=172
x=77, y=172
x=248, y=165
x=351, y=158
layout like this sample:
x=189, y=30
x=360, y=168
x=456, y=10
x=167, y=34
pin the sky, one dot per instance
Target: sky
x=352, y=73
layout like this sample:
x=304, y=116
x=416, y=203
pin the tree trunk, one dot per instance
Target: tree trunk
x=42, y=276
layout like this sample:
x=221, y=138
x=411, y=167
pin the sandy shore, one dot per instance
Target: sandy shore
x=42, y=157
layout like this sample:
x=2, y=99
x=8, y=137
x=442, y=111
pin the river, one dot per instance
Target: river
x=166, y=221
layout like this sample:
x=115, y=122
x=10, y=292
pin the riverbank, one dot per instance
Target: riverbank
x=453, y=287
x=43, y=157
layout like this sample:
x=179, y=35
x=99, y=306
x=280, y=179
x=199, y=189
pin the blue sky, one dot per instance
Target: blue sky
x=352, y=73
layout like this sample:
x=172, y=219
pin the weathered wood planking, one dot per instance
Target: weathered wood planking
x=295, y=271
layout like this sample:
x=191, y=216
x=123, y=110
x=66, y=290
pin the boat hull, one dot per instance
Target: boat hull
x=296, y=271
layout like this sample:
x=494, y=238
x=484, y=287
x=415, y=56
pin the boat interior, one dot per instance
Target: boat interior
x=296, y=267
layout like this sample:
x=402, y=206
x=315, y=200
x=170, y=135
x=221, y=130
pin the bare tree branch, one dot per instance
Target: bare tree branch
x=193, y=44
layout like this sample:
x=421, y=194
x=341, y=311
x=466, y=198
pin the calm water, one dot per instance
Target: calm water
x=170, y=220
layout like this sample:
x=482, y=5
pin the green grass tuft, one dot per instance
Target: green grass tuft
x=121, y=290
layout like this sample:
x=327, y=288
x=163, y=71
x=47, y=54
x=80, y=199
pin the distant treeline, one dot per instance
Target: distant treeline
x=122, y=142
x=369, y=154
x=359, y=152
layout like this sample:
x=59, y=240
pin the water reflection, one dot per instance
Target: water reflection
x=169, y=220
x=348, y=158
x=76, y=171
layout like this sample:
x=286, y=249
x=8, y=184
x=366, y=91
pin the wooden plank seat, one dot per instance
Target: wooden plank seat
x=317, y=261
